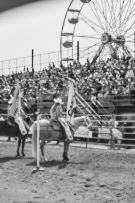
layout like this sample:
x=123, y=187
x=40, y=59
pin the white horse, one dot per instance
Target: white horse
x=113, y=133
x=47, y=132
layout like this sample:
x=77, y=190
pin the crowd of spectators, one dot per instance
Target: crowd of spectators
x=113, y=77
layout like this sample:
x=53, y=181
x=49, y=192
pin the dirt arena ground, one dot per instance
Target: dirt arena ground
x=91, y=175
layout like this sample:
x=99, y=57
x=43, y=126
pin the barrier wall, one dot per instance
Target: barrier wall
x=100, y=134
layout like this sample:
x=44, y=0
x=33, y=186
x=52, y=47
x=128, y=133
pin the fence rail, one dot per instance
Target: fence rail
x=39, y=61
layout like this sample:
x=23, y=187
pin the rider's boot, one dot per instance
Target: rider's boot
x=18, y=154
x=65, y=156
x=23, y=154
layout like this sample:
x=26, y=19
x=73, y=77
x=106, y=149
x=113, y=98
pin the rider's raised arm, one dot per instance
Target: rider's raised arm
x=53, y=109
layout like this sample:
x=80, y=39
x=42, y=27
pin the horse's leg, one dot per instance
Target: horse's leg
x=9, y=139
x=118, y=142
x=23, y=144
x=65, y=153
x=58, y=142
x=112, y=140
x=42, y=144
x=18, y=147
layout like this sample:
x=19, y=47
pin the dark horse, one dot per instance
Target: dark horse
x=9, y=128
x=18, y=129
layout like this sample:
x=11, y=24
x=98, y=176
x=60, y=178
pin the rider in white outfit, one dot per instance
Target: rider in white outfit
x=56, y=114
x=56, y=110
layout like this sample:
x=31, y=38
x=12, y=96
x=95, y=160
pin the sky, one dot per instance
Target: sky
x=34, y=26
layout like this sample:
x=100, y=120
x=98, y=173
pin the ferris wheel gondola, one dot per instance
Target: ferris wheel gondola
x=103, y=28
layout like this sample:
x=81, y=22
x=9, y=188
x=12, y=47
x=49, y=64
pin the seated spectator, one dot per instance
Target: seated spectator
x=129, y=73
x=101, y=78
x=31, y=99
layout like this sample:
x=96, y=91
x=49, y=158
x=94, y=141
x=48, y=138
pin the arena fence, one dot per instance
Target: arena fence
x=100, y=134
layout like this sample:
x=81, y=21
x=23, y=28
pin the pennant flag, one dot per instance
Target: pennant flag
x=71, y=104
x=18, y=105
x=12, y=109
x=5, y=79
x=16, y=110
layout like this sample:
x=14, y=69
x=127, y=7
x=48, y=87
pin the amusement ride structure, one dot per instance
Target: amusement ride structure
x=103, y=29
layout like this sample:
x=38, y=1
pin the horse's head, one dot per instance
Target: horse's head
x=82, y=121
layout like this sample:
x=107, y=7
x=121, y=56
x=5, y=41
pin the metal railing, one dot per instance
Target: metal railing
x=124, y=137
x=40, y=61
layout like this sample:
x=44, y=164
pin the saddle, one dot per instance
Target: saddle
x=67, y=129
x=55, y=124
x=63, y=126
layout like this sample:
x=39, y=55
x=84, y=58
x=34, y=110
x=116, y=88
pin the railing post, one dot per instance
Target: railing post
x=40, y=61
x=16, y=64
x=129, y=93
x=2, y=67
x=48, y=58
x=58, y=59
x=112, y=140
x=23, y=63
x=9, y=66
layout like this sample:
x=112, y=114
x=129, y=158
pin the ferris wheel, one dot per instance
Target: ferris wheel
x=100, y=29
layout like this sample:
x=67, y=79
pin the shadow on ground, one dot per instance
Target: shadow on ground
x=49, y=164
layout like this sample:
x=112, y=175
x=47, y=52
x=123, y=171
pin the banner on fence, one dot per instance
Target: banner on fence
x=104, y=133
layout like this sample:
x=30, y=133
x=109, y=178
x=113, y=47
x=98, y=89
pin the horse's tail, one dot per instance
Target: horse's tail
x=34, y=140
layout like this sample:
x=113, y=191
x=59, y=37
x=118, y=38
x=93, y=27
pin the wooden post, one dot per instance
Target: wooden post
x=2, y=67
x=134, y=46
x=38, y=168
x=32, y=59
x=78, y=51
x=112, y=140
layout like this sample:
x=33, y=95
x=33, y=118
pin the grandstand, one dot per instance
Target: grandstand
x=109, y=87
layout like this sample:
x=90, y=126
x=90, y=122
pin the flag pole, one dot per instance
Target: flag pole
x=38, y=168
x=12, y=110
